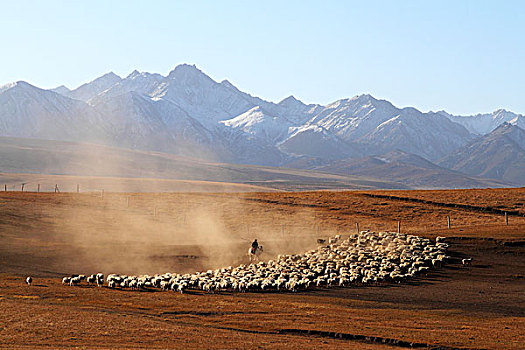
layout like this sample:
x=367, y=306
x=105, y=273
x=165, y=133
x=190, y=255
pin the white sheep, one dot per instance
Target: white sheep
x=367, y=257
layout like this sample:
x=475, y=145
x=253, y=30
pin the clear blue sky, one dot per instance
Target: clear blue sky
x=461, y=56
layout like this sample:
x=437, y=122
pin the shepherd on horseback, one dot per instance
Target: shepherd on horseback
x=254, y=251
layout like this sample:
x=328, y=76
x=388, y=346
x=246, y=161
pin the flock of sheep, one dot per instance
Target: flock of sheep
x=360, y=259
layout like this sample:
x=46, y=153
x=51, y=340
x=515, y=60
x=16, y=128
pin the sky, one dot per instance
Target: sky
x=465, y=57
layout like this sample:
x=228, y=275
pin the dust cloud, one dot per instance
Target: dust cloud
x=155, y=224
x=142, y=213
x=149, y=233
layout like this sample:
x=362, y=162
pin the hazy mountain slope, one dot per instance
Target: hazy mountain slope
x=499, y=155
x=381, y=127
x=244, y=148
x=200, y=96
x=429, y=135
x=408, y=169
x=258, y=123
x=315, y=141
x=135, y=122
x=66, y=158
x=138, y=122
x=27, y=111
x=188, y=113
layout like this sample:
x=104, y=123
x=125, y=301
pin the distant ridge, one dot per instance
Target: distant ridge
x=187, y=113
x=500, y=154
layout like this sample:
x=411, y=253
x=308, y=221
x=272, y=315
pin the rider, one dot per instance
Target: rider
x=255, y=245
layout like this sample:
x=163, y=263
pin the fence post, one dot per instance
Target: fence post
x=38, y=188
x=5, y=187
x=399, y=226
x=506, y=219
x=357, y=227
x=448, y=221
x=23, y=187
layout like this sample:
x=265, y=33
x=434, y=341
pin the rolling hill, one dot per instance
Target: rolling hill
x=30, y=156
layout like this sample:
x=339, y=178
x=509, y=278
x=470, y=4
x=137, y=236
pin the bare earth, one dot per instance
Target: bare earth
x=49, y=235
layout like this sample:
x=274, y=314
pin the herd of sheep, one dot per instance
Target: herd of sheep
x=362, y=258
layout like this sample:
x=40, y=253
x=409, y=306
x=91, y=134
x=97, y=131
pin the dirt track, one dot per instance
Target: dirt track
x=481, y=306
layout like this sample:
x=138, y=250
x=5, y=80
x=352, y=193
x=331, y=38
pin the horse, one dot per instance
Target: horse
x=253, y=254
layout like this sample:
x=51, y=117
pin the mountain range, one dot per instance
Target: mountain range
x=187, y=113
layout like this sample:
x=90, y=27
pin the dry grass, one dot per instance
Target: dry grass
x=47, y=235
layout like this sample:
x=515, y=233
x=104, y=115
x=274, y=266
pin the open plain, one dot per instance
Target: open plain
x=51, y=235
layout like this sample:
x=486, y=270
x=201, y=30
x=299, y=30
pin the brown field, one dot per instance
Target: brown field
x=49, y=235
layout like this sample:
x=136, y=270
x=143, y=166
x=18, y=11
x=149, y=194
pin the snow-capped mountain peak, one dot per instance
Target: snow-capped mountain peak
x=8, y=86
x=89, y=90
x=188, y=74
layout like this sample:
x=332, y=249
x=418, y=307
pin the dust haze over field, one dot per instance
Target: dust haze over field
x=151, y=234
x=159, y=233
x=156, y=233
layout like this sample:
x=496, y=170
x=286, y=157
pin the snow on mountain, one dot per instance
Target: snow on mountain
x=187, y=112
x=290, y=108
x=7, y=86
x=200, y=96
x=296, y=111
x=135, y=122
x=143, y=83
x=429, y=135
x=316, y=141
x=31, y=112
x=482, y=124
x=354, y=117
x=138, y=122
x=89, y=90
x=260, y=124
x=378, y=126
